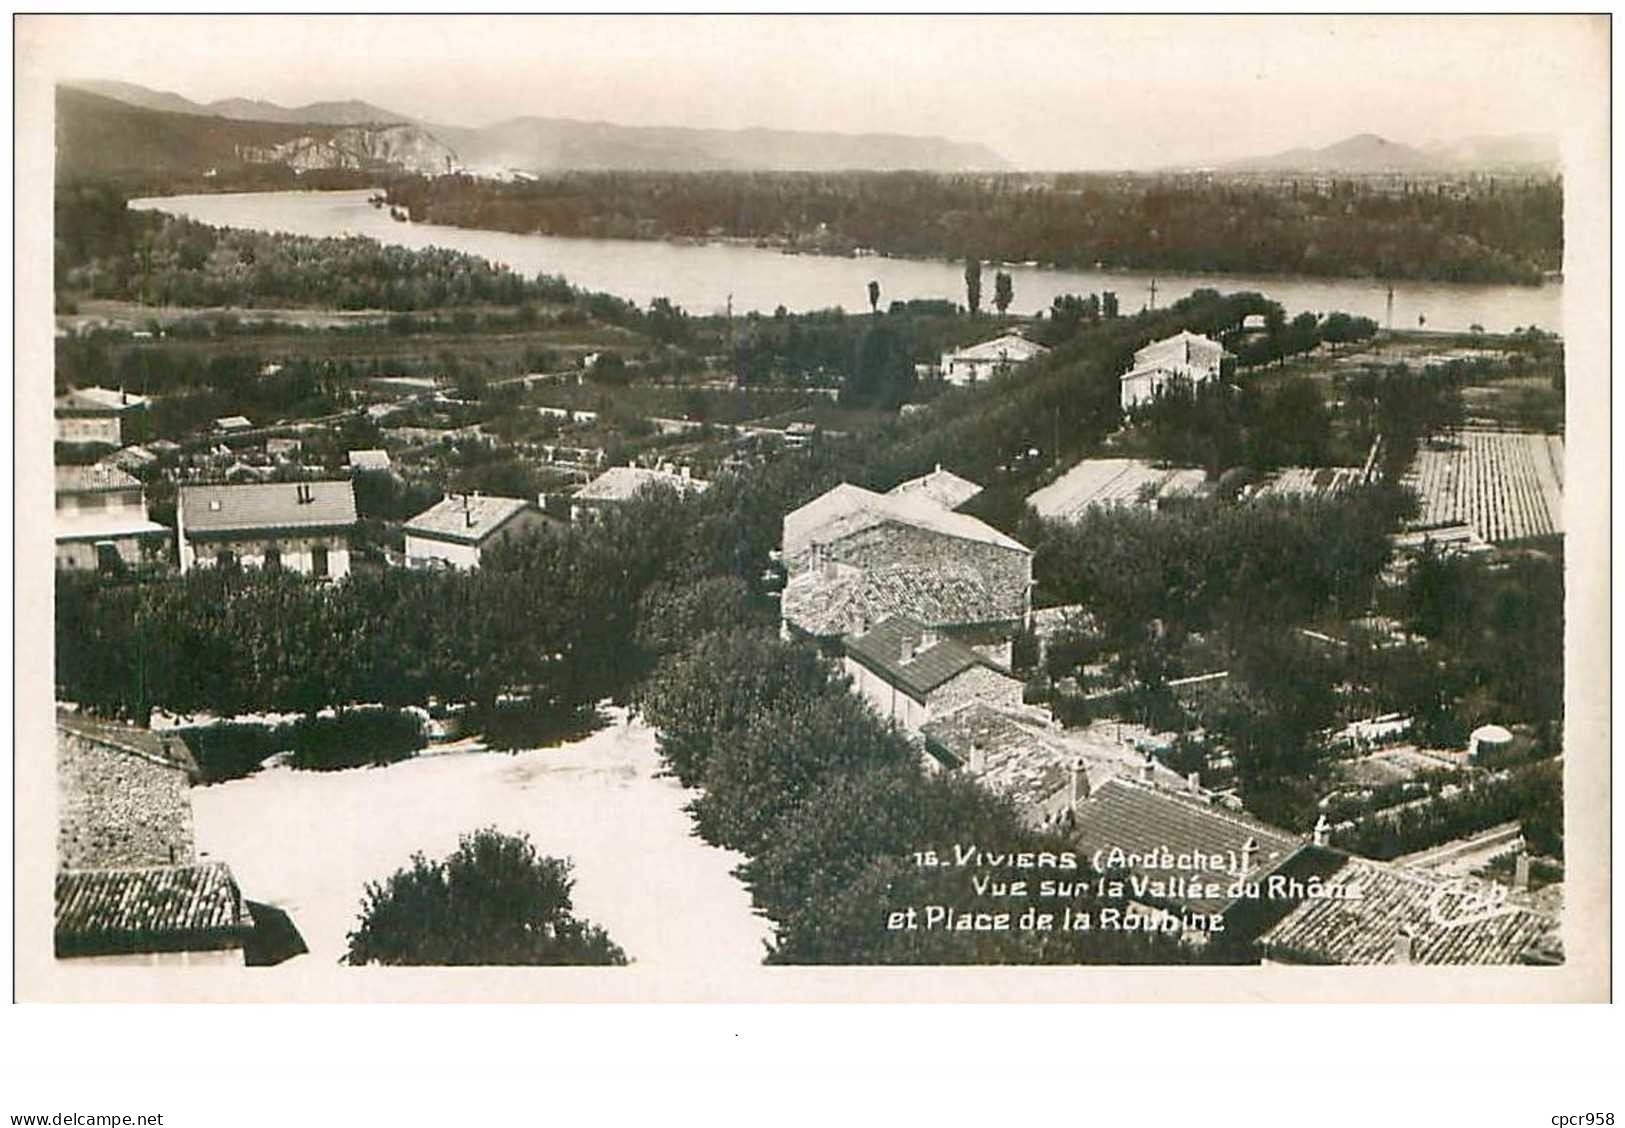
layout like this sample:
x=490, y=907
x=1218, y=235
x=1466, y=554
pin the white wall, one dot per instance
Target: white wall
x=422, y=552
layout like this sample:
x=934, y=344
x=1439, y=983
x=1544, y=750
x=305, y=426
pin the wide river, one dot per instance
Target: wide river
x=701, y=277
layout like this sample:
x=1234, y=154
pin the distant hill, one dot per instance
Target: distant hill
x=243, y=109
x=539, y=145
x=97, y=136
x=1366, y=153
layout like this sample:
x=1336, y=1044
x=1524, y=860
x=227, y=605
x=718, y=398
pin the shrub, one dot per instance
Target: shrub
x=511, y=725
x=494, y=900
x=355, y=738
x=231, y=749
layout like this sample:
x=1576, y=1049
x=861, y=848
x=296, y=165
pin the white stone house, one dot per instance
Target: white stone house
x=912, y=675
x=95, y=415
x=978, y=363
x=1186, y=359
x=101, y=520
x=456, y=531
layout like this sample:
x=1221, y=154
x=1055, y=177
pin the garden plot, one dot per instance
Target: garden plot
x=1507, y=485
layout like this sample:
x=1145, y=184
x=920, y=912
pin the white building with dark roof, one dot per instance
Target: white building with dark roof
x=458, y=529
x=304, y=527
x=912, y=675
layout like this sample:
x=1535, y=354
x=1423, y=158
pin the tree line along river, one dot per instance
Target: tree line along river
x=703, y=277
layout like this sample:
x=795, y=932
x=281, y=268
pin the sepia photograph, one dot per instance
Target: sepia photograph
x=678, y=508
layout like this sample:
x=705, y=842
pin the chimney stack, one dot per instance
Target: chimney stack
x=1148, y=768
x=1194, y=782
x=978, y=758
x=1080, y=781
x=928, y=639
x=1323, y=831
x=1249, y=851
x=1520, y=872
x=1404, y=945
x=906, y=650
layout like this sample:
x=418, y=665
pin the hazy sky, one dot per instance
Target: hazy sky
x=1044, y=91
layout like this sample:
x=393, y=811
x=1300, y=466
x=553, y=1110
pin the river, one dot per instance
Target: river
x=701, y=277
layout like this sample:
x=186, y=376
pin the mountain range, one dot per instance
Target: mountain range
x=1366, y=153
x=255, y=132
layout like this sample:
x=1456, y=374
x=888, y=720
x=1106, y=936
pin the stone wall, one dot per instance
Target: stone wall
x=117, y=810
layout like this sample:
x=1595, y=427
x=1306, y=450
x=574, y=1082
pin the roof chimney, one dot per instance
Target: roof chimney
x=1404, y=945
x=1520, y=872
x=978, y=758
x=1148, y=768
x=1194, y=782
x=1080, y=781
x=928, y=639
x=905, y=650
x=1249, y=851
x=1323, y=831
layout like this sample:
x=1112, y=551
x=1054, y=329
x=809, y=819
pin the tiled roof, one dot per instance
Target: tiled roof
x=164, y=909
x=1137, y=819
x=621, y=483
x=1455, y=921
x=1022, y=761
x=268, y=505
x=881, y=651
x=93, y=479
x=1179, y=348
x=847, y=509
x=944, y=487
x=467, y=518
x=1113, y=481
x=97, y=401
x=842, y=599
x=104, y=524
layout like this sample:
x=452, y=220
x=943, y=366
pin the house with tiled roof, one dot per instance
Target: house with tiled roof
x=912, y=675
x=129, y=886
x=304, y=527
x=1401, y=916
x=101, y=521
x=854, y=557
x=944, y=487
x=458, y=529
x=620, y=484
x=95, y=415
x=1186, y=360
x=981, y=362
x=1010, y=751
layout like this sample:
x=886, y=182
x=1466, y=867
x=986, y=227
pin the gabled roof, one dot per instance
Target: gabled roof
x=1176, y=348
x=218, y=509
x=621, y=483
x=1008, y=346
x=97, y=401
x=846, y=509
x=233, y=423
x=1022, y=761
x=881, y=651
x=465, y=518
x=164, y=909
x=98, y=478
x=1139, y=819
x=944, y=487
x=1446, y=919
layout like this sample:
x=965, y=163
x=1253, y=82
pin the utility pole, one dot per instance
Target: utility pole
x=1153, y=293
x=1390, y=307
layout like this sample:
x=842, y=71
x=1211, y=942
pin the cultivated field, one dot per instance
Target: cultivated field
x=1507, y=485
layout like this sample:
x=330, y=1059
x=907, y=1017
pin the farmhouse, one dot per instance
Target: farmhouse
x=1186, y=359
x=1097, y=483
x=977, y=363
x=911, y=674
x=458, y=529
x=129, y=888
x=1010, y=752
x=302, y=526
x=854, y=557
x=95, y=415
x=101, y=521
x=620, y=484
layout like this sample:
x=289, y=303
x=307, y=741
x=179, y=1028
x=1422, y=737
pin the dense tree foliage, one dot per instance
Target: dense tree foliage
x=1480, y=230
x=492, y=901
